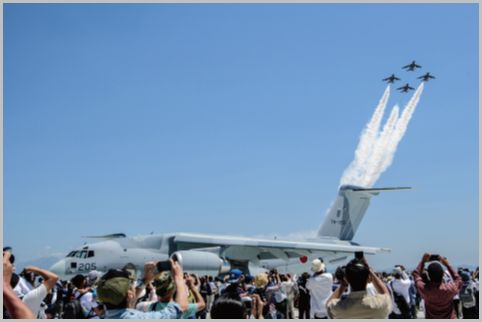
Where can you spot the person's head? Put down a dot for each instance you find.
(234, 275)
(210, 278)
(317, 266)
(78, 281)
(93, 277)
(115, 289)
(435, 272)
(261, 280)
(226, 307)
(165, 286)
(397, 272)
(465, 276)
(356, 274)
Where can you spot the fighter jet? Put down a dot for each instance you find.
(412, 66)
(213, 254)
(391, 79)
(426, 77)
(405, 88)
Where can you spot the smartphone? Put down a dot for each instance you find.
(164, 266)
(434, 257)
(358, 255)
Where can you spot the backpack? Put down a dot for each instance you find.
(401, 303)
(466, 295)
(73, 309)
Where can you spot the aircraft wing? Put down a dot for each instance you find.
(254, 248)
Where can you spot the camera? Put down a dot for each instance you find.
(434, 257)
(163, 266)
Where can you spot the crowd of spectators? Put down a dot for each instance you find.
(434, 289)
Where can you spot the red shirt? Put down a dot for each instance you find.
(438, 297)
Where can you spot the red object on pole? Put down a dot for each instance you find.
(303, 259)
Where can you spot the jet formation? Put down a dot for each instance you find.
(410, 67)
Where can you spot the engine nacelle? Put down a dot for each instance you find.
(203, 263)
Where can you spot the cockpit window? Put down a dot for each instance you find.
(81, 253)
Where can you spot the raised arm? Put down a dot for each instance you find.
(417, 274)
(457, 280)
(15, 307)
(181, 294)
(49, 278)
(197, 296)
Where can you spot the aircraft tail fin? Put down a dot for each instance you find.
(344, 216)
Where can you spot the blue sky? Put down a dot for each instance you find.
(234, 119)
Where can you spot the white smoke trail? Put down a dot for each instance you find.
(379, 150)
(400, 129)
(354, 172)
(375, 150)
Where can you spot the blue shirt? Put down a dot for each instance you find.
(190, 313)
(171, 311)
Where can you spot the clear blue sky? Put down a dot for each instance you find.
(234, 119)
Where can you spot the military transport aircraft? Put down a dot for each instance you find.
(426, 77)
(412, 66)
(213, 254)
(405, 88)
(391, 79)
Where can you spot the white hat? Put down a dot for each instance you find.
(94, 276)
(317, 266)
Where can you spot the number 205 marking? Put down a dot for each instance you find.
(87, 267)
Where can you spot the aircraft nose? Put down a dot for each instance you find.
(58, 268)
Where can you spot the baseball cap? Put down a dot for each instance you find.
(234, 275)
(113, 287)
(164, 283)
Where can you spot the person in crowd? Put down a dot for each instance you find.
(214, 291)
(303, 297)
(358, 304)
(165, 288)
(399, 288)
(437, 295)
(118, 294)
(14, 307)
(467, 297)
(84, 294)
(320, 287)
(230, 306)
(289, 289)
(34, 298)
(276, 298)
(204, 290)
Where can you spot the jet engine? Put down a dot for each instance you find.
(203, 263)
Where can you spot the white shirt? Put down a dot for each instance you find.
(320, 287)
(400, 286)
(34, 298)
(86, 300)
(288, 288)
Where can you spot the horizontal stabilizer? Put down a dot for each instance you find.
(381, 189)
(110, 236)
